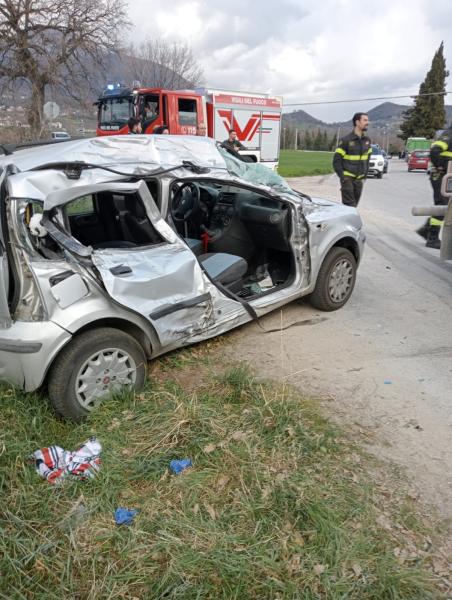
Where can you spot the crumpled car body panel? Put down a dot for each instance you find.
(159, 291)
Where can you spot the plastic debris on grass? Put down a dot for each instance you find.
(124, 516)
(56, 464)
(179, 465)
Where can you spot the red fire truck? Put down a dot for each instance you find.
(255, 117)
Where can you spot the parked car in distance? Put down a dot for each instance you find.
(376, 162)
(419, 159)
(60, 135)
(416, 143)
(118, 249)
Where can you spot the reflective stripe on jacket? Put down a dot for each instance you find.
(351, 157)
(441, 151)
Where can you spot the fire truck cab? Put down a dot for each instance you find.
(255, 117)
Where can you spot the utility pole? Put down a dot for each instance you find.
(296, 140)
(337, 136)
(284, 138)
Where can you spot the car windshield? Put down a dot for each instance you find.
(376, 150)
(254, 172)
(115, 111)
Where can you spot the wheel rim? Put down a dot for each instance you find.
(341, 280)
(101, 374)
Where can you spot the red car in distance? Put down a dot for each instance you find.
(419, 159)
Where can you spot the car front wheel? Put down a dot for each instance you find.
(335, 281)
(91, 367)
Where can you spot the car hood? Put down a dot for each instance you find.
(319, 209)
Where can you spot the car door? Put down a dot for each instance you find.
(5, 317)
(162, 281)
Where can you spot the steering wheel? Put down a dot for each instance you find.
(185, 201)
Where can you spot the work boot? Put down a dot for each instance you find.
(423, 231)
(433, 240)
(433, 244)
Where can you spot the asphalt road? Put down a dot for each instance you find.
(383, 363)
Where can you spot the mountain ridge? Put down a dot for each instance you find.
(385, 115)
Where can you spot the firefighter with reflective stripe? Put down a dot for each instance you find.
(440, 155)
(351, 160)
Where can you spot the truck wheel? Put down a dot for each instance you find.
(91, 367)
(335, 281)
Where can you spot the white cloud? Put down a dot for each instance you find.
(306, 50)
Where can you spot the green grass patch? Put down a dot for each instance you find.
(298, 163)
(279, 503)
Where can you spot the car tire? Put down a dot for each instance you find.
(93, 365)
(379, 175)
(329, 293)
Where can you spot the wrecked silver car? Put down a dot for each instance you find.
(115, 250)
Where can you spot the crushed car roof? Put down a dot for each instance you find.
(155, 150)
(42, 172)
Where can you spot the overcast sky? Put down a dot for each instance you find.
(307, 50)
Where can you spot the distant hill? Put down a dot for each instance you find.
(384, 127)
(387, 114)
(301, 117)
(386, 111)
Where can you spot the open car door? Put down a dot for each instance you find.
(5, 317)
(162, 280)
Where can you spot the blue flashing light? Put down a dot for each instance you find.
(115, 89)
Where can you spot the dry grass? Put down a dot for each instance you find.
(278, 504)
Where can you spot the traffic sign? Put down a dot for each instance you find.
(51, 110)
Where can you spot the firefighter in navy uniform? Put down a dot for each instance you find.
(351, 160)
(440, 155)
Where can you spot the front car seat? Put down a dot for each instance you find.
(227, 269)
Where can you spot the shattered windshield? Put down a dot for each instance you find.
(254, 172)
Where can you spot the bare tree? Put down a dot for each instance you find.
(56, 43)
(159, 63)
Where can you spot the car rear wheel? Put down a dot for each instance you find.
(335, 281)
(94, 365)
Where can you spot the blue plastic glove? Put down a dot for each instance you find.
(177, 466)
(124, 516)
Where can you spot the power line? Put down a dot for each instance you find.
(367, 99)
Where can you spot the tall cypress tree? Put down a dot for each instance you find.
(317, 144)
(428, 113)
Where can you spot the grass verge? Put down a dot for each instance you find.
(298, 163)
(279, 503)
